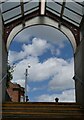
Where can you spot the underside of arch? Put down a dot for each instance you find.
(42, 21)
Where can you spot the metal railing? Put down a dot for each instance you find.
(77, 78)
(3, 78)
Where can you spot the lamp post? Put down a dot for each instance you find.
(26, 78)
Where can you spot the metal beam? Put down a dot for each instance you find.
(42, 11)
(82, 22)
(63, 6)
(12, 24)
(68, 19)
(79, 3)
(75, 30)
(70, 9)
(61, 14)
(14, 7)
(18, 15)
(9, 26)
(22, 12)
(11, 9)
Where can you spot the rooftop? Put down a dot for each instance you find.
(72, 11)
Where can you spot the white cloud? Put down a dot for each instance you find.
(49, 68)
(59, 70)
(37, 48)
(19, 70)
(65, 96)
(37, 72)
(42, 71)
(63, 77)
(14, 56)
(36, 89)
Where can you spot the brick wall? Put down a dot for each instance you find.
(15, 92)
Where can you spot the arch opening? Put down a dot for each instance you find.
(50, 55)
(42, 21)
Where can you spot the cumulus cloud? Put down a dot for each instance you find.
(19, 70)
(63, 77)
(14, 56)
(57, 71)
(42, 71)
(37, 48)
(36, 89)
(65, 96)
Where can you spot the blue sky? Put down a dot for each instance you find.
(50, 55)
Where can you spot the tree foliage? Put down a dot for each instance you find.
(10, 70)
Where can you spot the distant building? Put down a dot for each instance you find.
(15, 92)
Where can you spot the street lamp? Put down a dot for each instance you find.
(26, 78)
